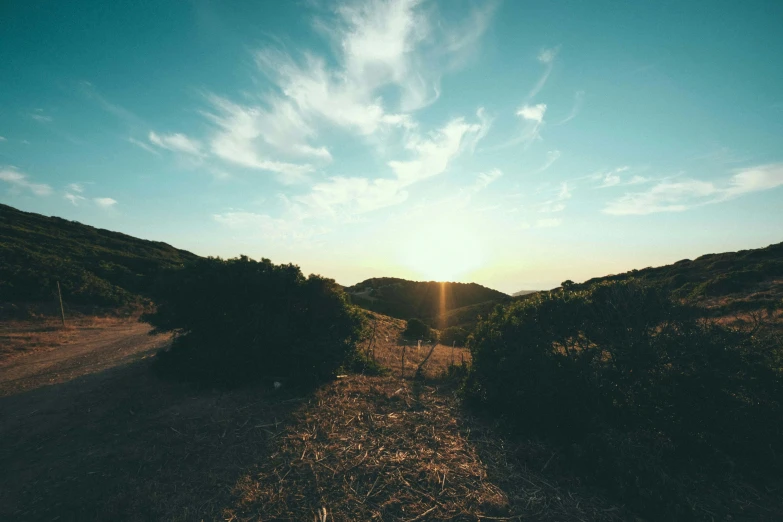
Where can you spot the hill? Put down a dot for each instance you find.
(431, 301)
(727, 282)
(523, 292)
(95, 267)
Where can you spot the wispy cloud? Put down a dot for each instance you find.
(678, 196)
(579, 98)
(143, 145)
(75, 199)
(2, 138)
(176, 142)
(557, 203)
(551, 157)
(345, 197)
(105, 202)
(20, 182)
(39, 116)
(546, 57)
(388, 60)
(118, 111)
(76, 187)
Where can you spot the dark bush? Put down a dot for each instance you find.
(636, 386)
(241, 321)
(418, 329)
(453, 335)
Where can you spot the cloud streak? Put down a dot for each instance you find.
(105, 203)
(679, 196)
(21, 182)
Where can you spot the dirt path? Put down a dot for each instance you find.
(95, 349)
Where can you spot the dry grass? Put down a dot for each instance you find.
(390, 344)
(375, 448)
(46, 334)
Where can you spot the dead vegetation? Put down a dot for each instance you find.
(378, 448)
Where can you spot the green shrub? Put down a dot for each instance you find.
(241, 321)
(637, 387)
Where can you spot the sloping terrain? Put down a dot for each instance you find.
(95, 267)
(729, 282)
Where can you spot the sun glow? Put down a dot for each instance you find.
(442, 251)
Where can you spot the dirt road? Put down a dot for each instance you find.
(96, 349)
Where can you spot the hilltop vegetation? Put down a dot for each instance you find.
(95, 267)
(439, 304)
(727, 282)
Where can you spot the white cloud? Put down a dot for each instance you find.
(20, 181)
(433, 153)
(388, 59)
(143, 145)
(344, 197)
(548, 55)
(105, 202)
(637, 180)
(2, 138)
(678, 196)
(248, 135)
(76, 187)
(73, 198)
(176, 142)
(533, 112)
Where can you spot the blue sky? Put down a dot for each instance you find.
(515, 144)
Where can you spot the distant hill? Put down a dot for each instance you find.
(434, 302)
(95, 267)
(524, 292)
(732, 281)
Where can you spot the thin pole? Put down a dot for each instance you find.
(402, 366)
(62, 310)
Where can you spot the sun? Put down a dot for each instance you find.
(441, 251)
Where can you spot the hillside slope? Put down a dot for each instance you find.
(732, 281)
(95, 267)
(429, 300)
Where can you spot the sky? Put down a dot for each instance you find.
(516, 144)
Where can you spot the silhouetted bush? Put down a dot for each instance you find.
(453, 335)
(635, 385)
(418, 329)
(242, 320)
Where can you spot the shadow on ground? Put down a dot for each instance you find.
(122, 444)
